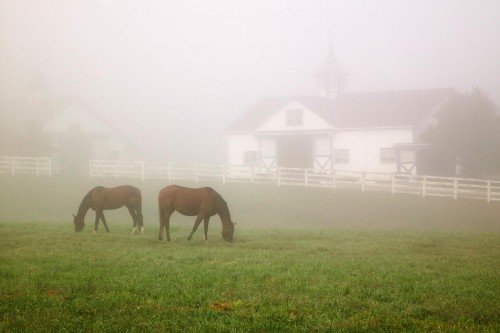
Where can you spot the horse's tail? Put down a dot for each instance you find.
(140, 219)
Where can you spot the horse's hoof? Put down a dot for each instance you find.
(95, 231)
(142, 230)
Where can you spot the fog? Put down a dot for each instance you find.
(173, 75)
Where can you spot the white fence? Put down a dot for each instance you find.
(40, 166)
(369, 181)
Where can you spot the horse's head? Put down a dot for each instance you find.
(78, 222)
(228, 231)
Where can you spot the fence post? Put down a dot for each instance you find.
(278, 176)
(116, 169)
(196, 172)
(363, 180)
(223, 174)
(142, 170)
(306, 178)
(50, 167)
(90, 168)
(334, 183)
(253, 173)
(393, 185)
(488, 191)
(455, 189)
(424, 186)
(37, 167)
(13, 166)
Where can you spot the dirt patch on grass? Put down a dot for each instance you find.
(220, 306)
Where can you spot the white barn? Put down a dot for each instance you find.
(370, 132)
(105, 141)
(62, 120)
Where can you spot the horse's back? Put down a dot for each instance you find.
(186, 200)
(116, 197)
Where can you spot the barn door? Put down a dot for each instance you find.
(322, 152)
(267, 152)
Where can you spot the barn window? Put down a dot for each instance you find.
(341, 156)
(407, 156)
(294, 118)
(387, 155)
(250, 157)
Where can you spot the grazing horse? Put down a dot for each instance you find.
(200, 202)
(102, 198)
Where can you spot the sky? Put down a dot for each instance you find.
(173, 75)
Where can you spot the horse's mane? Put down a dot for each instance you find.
(84, 205)
(223, 208)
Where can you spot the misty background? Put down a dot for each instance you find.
(173, 75)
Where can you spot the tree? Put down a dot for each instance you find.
(468, 130)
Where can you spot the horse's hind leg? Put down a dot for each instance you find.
(205, 227)
(140, 220)
(134, 218)
(97, 217)
(164, 223)
(167, 224)
(104, 221)
(196, 224)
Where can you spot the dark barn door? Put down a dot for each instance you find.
(295, 151)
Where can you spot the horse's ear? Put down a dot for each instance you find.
(74, 216)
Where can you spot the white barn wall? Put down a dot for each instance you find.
(386, 138)
(239, 143)
(352, 140)
(364, 147)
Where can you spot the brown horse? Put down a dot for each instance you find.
(200, 202)
(102, 198)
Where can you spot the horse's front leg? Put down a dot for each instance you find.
(196, 224)
(104, 221)
(205, 227)
(97, 217)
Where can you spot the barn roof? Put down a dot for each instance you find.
(353, 110)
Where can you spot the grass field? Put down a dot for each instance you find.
(302, 260)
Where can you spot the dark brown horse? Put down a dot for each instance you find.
(102, 198)
(200, 202)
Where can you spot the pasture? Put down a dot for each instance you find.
(302, 260)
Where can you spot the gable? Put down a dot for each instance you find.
(277, 121)
(262, 111)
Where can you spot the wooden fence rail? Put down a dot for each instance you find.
(365, 181)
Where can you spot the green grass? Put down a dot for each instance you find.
(302, 260)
